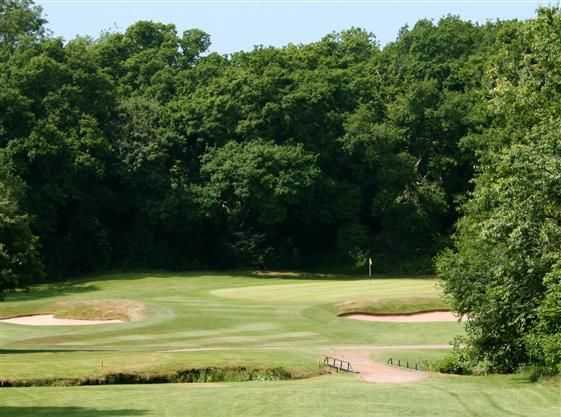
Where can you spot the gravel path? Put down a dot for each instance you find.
(378, 372)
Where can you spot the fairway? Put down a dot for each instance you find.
(188, 321)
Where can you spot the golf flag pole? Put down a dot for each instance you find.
(370, 267)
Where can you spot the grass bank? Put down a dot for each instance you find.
(197, 375)
(327, 396)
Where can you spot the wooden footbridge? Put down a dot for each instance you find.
(339, 365)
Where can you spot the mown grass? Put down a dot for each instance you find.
(280, 320)
(420, 359)
(410, 355)
(205, 320)
(328, 396)
(96, 364)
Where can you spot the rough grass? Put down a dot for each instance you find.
(125, 310)
(190, 375)
(405, 305)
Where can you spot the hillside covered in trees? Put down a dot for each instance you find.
(142, 150)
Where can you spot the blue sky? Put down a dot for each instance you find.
(240, 24)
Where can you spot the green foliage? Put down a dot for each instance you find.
(352, 241)
(544, 343)
(19, 19)
(257, 179)
(19, 257)
(503, 271)
(255, 187)
(140, 148)
(181, 376)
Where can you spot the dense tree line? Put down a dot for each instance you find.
(142, 149)
(504, 269)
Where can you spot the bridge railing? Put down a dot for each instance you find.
(338, 364)
(404, 364)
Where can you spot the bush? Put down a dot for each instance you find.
(460, 361)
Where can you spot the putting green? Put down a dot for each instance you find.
(334, 291)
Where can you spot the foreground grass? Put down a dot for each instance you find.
(329, 396)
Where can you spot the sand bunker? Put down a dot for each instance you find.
(377, 372)
(406, 318)
(50, 320)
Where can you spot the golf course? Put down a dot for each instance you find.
(256, 340)
(313, 208)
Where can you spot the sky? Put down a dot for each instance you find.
(241, 24)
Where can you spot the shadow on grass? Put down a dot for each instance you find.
(50, 290)
(318, 276)
(235, 273)
(526, 378)
(66, 412)
(82, 284)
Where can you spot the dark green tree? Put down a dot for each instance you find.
(503, 269)
(255, 188)
(19, 256)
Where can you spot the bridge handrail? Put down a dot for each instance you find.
(342, 365)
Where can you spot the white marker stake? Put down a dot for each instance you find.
(370, 267)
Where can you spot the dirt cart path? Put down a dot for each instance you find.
(377, 372)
